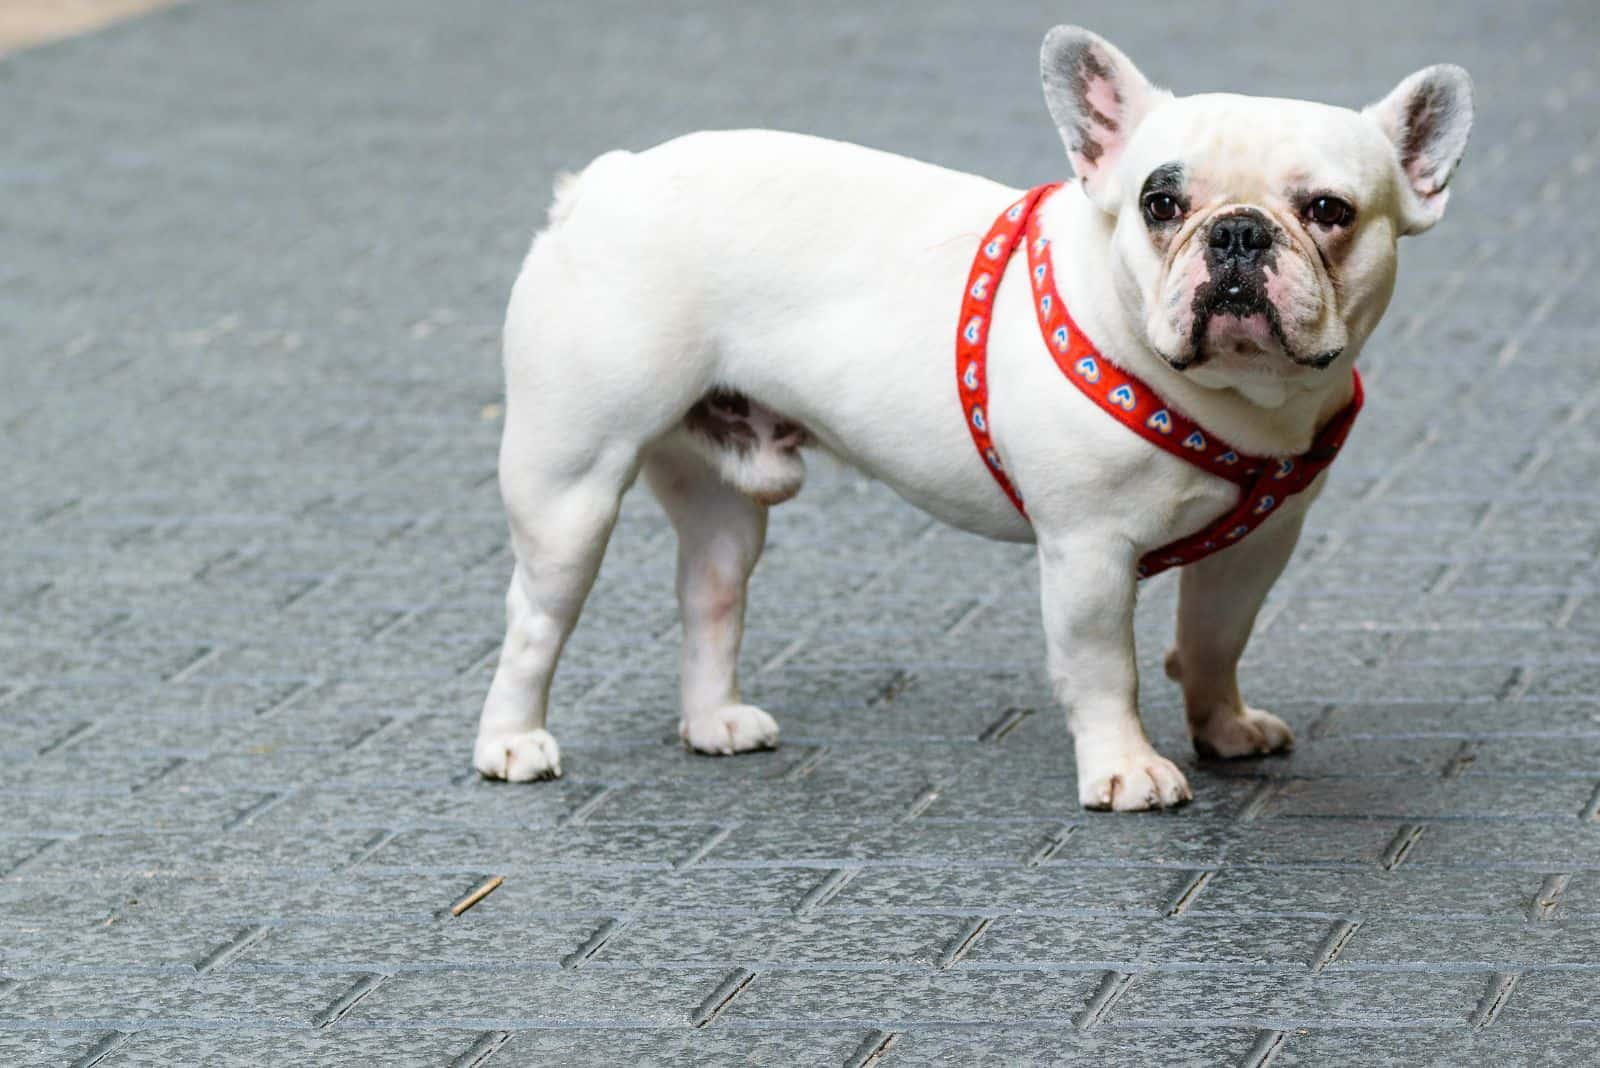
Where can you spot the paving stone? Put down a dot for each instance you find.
(758, 941)
(1288, 1001)
(1128, 945)
(1477, 796)
(1405, 891)
(924, 841)
(1581, 896)
(1159, 841)
(402, 945)
(1505, 946)
(174, 944)
(897, 1000)
(1010, 891)
(509, 1000)
(201, 853)
(1551, 999)
(1558, 846)
(407, 1049)
(48, 1049)
(710, 1048)
(1066, 1045)
(125, 1002)
(494, 850)
(1523, 1048)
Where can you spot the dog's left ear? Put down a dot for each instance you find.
(1096, 97)
(1428, 118)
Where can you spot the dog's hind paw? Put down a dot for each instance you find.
(521, 756)
(728, 730)
(1252, 733)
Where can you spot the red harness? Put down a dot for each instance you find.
(1264, 482)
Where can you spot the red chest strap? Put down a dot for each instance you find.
(1264, 482)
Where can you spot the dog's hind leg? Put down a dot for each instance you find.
(720, 535)
(561, 505)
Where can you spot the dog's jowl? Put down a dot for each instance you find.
(1150, 365)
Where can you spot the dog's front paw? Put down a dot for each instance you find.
(1130, 782)
(520, 756)
(729, 729)
(1250, 733)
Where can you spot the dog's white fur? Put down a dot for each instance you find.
(821, 281)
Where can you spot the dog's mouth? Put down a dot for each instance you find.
(1233, 317)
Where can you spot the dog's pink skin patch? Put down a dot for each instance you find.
(1102, 97)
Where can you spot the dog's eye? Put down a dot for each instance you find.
(1162, 207)
(1330, 212)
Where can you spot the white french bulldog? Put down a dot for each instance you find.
(704, 310)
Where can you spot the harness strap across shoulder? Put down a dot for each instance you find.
(1264, 482)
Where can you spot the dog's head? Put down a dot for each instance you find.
(1254, 238)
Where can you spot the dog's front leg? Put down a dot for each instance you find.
(1088, 591)
(1218, 598)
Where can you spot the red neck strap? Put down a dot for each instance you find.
(1264, 482)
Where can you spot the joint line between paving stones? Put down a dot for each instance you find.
(1111, 989)
(102, 1049)
(1404, 840)
(1494, 999)
(807, 764)
(1549, 896)
(824, 891)
(1334, 944)
(1052, 845)
(348, 1000)
(1263, 1050)
(1009, 720)
(207, 655)
(1591, 811)
(720, 998)
(590, 806)
(240, 942)
(371, 846)
(481, 1049)
(1460, 760)
(595, 942)
(963, 941)
(1190, 891)
(711, 841)
(922, 803)
(872, 1049)
(249, 813)
(1258, 800)
(72, 737)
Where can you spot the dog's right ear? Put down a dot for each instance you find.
(1096, 97)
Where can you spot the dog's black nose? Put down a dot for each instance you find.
(1241, 236)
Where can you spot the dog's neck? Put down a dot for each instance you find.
(1274, 425)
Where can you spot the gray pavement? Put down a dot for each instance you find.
(253, 267)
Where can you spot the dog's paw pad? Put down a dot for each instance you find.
(1133, 784)
(728, 730)
(1255, 733)
(522, 756)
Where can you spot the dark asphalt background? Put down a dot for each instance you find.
(253, 262)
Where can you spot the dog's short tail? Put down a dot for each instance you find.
(569, 187)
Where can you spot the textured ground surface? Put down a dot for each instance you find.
(251, 566)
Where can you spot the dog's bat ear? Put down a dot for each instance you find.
(1427, 118)
(1096, 97)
